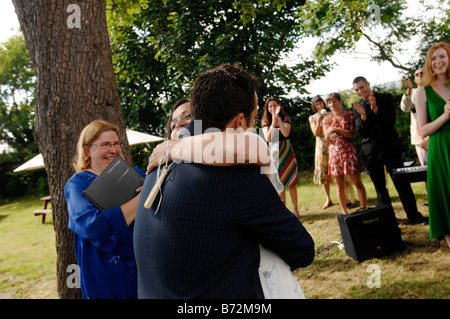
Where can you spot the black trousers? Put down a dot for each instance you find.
(375, 168)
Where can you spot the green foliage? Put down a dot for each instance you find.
(17, 104)
(339, 25)
(22, 183)
(139, 82)
(140, 154)
(16, 72)
(168, 44)
(432, 31)
(17, 85)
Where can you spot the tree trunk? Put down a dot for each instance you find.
(69, 47)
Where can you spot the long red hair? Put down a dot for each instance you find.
(429, 77)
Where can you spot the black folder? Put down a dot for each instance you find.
(115, 186)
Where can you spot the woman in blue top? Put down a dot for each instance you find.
(103, 239)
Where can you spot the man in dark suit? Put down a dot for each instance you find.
(202, 242)
(381, 145)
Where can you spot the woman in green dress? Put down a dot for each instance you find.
(433, 114)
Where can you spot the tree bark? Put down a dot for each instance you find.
(69, 46)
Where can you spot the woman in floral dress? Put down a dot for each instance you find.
(321, 176)
(343, 159)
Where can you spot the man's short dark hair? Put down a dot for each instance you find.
(221, 93)
(359, 79)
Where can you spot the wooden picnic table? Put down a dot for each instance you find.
(45, 211)
(46, 199)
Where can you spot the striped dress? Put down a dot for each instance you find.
(284, 158)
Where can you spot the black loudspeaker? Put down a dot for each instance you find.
(370, 233)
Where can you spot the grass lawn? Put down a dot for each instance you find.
(421, 271)
(28, 253)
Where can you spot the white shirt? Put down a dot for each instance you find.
(407, 102)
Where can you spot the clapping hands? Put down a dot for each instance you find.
(408, 84)
(373, 106)
(276, 117)
(360, 110)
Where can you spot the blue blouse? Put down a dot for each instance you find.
(103, 243)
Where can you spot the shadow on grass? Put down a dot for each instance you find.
(316, 216)
(338, 260)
